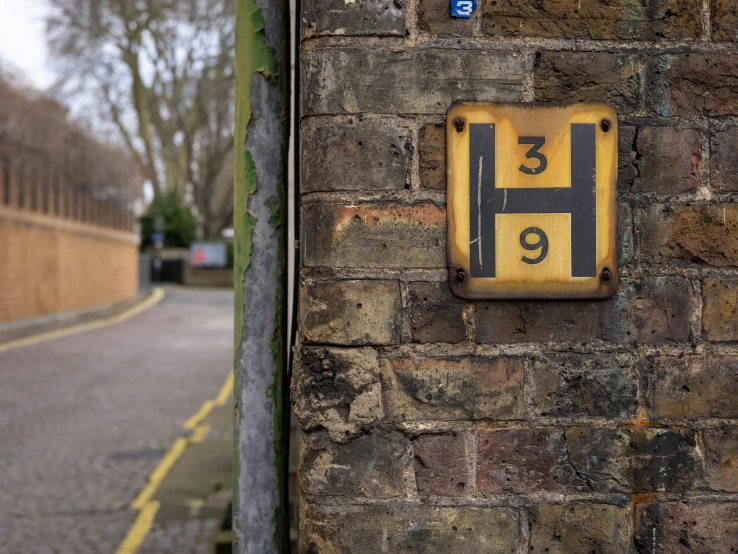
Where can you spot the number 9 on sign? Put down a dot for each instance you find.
(541, 243)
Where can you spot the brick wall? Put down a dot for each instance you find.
(434, 424)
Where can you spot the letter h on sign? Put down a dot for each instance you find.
(486, 200)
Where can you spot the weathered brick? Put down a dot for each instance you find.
(337, 390)
(436, 315)
(364, 156)
(581, 528)
(583, 459)
(455, 388)
(724, 17)
(634, 460)
(365, 17)
(427, 81)
(625, 234)
(432, 154)
(503, 322)
(698, 528)
(434, 16)
(385, 235)
(702, 84)
(408, 528)
(350, 312)
(650, 311)
(694, 387)
(568, 385)
(719, 304)
(370, 465)
(724, 161)
(440, 464)
(591, 19)
(721, 458)
(700, 233)
(589, 77)
(660, 310)
(525, 461)
(627, 171)
(668, 160)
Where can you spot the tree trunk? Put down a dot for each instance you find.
(260, 221)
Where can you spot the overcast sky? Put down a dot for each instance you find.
(22, 41)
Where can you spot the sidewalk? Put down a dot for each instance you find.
(195, 495)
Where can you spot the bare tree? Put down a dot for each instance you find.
(38, 139)
(162, 72)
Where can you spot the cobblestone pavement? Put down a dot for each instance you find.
(85, 418)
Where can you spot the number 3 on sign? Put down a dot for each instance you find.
(463, 8)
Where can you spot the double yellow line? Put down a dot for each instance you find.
(148, 508)
(156, 296)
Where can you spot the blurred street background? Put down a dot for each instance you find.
(86, 418)
(116, 276)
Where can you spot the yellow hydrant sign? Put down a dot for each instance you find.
(532, 208)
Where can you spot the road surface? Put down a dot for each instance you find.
(84, 420)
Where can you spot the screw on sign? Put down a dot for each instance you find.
(463, 8)
(532, 201)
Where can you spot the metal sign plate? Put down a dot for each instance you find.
(532, 200)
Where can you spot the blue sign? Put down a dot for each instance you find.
(463, 8)
(157, 237)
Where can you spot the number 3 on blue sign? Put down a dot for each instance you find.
(463, 8)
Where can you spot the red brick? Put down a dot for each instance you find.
(696, 528)
(440, 464)
(580, 459)
(525, 461)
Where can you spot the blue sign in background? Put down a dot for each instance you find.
(463, 8)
